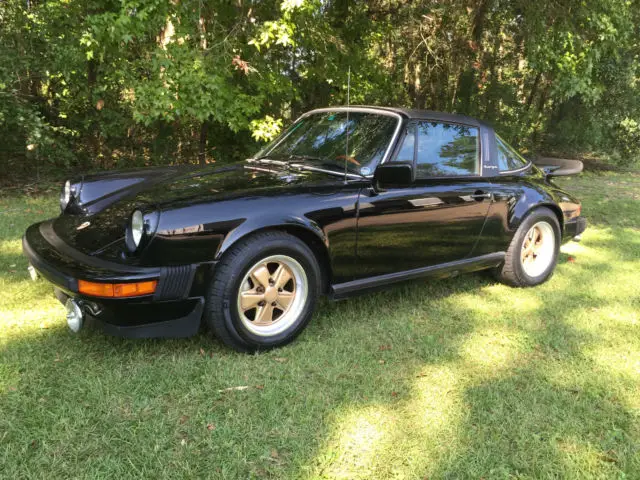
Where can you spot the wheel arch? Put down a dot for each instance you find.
(314, 238)
(520, 214)
(556, 209)
(511, 271)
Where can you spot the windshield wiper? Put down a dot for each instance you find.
(319, 163)
(272, 159)
(308, 157)
(325, 163)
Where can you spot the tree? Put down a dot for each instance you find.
(102, 84)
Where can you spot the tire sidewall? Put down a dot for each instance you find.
(542, 215)
(296, 250)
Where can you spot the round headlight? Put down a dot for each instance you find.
(137, 227)
(65, 196)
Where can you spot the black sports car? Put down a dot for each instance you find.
(345, 200)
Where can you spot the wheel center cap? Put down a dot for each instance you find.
(270, 294)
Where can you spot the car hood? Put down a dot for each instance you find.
(106, 218)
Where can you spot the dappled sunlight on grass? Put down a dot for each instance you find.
(590, 248)
(419, 432)
(39, 316)
(361, 437)
(28, 306)
(409, 437)
(579, 456)
(491, 351)
(436, 398)
(621, 314)
(622, 361)
(500, 301)
(11, 247)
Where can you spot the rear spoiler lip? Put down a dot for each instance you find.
(558, 167)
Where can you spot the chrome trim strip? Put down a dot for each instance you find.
(509, 147)
(426, 202)
(521, 169)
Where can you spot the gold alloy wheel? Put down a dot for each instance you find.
(538, 249)
(272, 295)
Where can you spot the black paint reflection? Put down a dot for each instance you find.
(430, 223)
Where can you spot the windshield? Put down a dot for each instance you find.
(320, 140)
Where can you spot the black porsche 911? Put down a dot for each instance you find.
(346, 200)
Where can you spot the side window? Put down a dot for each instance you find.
(446, 149)
(508, 158)
(408, 145)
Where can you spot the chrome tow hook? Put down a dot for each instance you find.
(75, 316)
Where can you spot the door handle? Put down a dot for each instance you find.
(479, 195)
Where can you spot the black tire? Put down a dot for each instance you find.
(222, 314)
(512, 271)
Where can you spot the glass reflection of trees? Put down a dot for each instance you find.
(508, 158)
(321, 139)
(446, 149)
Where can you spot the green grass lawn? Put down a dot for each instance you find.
(461, 378)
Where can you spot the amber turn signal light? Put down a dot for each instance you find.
(117, 290)
(570, 210)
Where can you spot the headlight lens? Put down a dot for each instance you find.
(137, 227)
(65, 196)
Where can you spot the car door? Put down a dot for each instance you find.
(439, 217)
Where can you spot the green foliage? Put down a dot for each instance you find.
(100, 84)
(266, 129)
(627, 136)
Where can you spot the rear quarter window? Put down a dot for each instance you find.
(508, 158)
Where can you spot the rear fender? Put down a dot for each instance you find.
(523, 208)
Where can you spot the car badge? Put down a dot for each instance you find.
(84, 225)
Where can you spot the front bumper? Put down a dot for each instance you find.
(174, 310)
(574, 227)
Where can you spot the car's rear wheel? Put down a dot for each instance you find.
(263, 292)
(533, 253)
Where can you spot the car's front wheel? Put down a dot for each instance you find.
(263, 292)
(533, 253)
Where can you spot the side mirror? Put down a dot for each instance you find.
(396, 174)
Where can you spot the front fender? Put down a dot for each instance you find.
(203, 232)
(267, 222)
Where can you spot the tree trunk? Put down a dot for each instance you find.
(202, 145)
